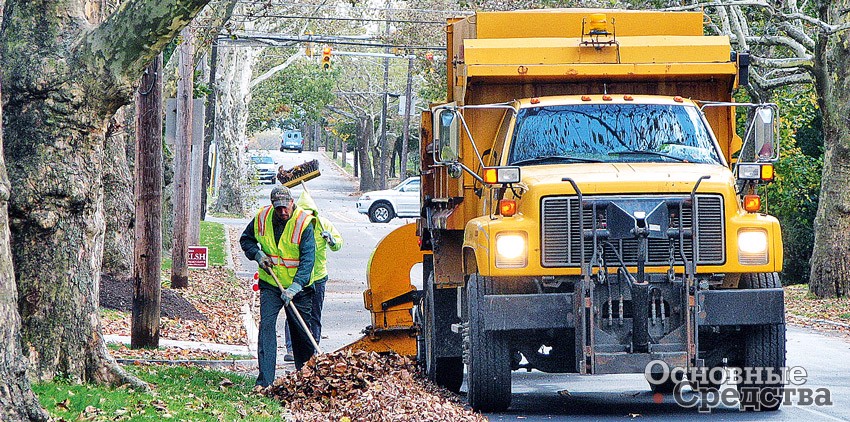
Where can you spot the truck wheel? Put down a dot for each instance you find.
(446, 372)
(763, 346)
(488, 359)
(381, 212)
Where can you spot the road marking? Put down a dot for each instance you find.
(817, 412)
(343, 217)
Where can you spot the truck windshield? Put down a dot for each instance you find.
(612, 133)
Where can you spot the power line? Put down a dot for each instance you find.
(340, 19)
(285, 41)
(334, 6)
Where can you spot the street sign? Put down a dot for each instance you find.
(198, 257)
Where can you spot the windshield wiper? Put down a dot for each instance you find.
(647, 152)
(542, 158)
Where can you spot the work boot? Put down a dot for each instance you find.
(288, 357)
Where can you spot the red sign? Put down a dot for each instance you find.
(198, 257)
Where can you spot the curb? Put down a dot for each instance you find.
(342, 169)
(205, 363)
(235, 349)
(831, 323)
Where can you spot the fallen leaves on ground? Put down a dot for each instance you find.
(169, 353)
(804, 309)
(217, 294)
(365, 386)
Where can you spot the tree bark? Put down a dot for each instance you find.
(233, 83)
(409, 106)
(118, 200)
(65, 79)
(144, 326)
(182, 163)
(17, 401)
(830, 273)
(364, 138)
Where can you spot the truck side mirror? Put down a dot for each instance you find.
(446, 134)
(763, 136)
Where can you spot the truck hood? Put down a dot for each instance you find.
(626, 178)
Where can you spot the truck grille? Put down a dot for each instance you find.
(562, 242)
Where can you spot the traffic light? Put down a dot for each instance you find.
(326, 58)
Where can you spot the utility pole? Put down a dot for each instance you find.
(382, 178)
(182, 157)
(144, 324)
(408, 106)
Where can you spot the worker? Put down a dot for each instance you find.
(326, 236)
(281, 240)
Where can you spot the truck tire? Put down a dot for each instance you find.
(488, 355)
(763, 346)
(446, 372)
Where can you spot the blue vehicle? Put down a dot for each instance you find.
(292, 140)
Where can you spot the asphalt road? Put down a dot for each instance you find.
(538, 396)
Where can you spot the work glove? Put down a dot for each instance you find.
(290, 293)
(264, 261)
(328, 238)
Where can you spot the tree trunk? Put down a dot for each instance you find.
(233, 83)
(830, 274)
(364, 137)
(65, 79)
(17, 401)
(144, 327)
(409, 106)
(118, 200)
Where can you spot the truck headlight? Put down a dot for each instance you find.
(752, 247)
(511, 250)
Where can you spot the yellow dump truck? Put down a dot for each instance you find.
(588, 206)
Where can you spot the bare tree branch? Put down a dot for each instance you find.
(799, 78)
(785, 63)
(773, 40)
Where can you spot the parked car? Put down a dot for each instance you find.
(264, 168)
(291, 140)
(382, 205)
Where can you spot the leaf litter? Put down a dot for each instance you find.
(365, 386)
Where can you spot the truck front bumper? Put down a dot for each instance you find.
(555, 310)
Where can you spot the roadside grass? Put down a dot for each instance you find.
(212, 236)
(799, 302)
(178, 393)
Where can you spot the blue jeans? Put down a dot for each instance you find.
(270, 306)
(315, 319)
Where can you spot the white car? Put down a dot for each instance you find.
(264, 167)
(383, 205)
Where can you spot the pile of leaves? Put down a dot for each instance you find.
(365, 386)
(216, 293)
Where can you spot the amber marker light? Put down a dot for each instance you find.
(507, 207)
(491, 175)
(607, 98)
(767, 172)
(678, 99)
(752, 203)
(535, 100)
(585, 97)
(628, 97)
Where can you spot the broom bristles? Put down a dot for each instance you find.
(300, 173)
